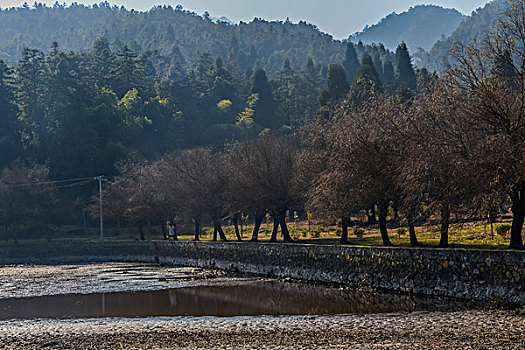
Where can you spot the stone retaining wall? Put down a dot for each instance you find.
(457, 273)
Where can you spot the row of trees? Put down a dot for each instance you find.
(453, 145)
(253, 176)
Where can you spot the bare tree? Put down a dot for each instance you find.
(137, 194)
(195, 180)
(436, 171)
(354, 163)
(490, 78)
(26, 195)
(262, 174)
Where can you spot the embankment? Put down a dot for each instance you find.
(457, 273)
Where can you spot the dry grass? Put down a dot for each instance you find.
(468, 235)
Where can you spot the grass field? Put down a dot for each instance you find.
(468, 235)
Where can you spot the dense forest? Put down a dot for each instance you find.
(167, 30)
(419, 27)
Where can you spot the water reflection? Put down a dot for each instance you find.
(251, 299)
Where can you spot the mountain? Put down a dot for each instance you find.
(256, 44)
(472, 27)
(420, 26)
(223, 19)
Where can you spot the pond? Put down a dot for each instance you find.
(132, 291)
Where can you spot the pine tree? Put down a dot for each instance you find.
(367, 83)
(350, 63)
(126, 74)
(367, 71)
(404, 69)
(378, 64)
(336, 85)
(388, 76)
(10, 146)
(266, 106)
(101, 61)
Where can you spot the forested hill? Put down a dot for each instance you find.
(259, 43)
(420, 26)
(473, 27)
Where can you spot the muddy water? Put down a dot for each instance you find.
(133, 290)
(246, 299)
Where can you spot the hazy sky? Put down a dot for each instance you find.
(337, 17)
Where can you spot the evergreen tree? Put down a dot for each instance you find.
(10, 146)
(223, 84)
(350, 63)
(126, 73)
(266, 106)
(378, 64)
(31, 76)
(388, 76)
(367, 71)
(336, 85)
(360, 48)
(404, 69)
(101, 61)
(367, 83)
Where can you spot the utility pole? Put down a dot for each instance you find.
(100, 179)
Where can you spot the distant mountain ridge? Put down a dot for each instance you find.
(260, 43)
(472, 27)
(420, 26)
(222, 19)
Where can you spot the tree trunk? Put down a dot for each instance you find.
(344, 227)
(383, 213)
(284, 228)
(518, 217)
(141, 232)
(197, 231)
(372, 216)
(163, 228)
(256, 227)
(413, 237)
(275, 229)
(445, 223)
(412, 229)
(235, 220)
(218, 229)
(215, 232)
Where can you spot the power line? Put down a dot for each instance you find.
(83, 179)
(76, 184)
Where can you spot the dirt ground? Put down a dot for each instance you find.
(458, 330)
